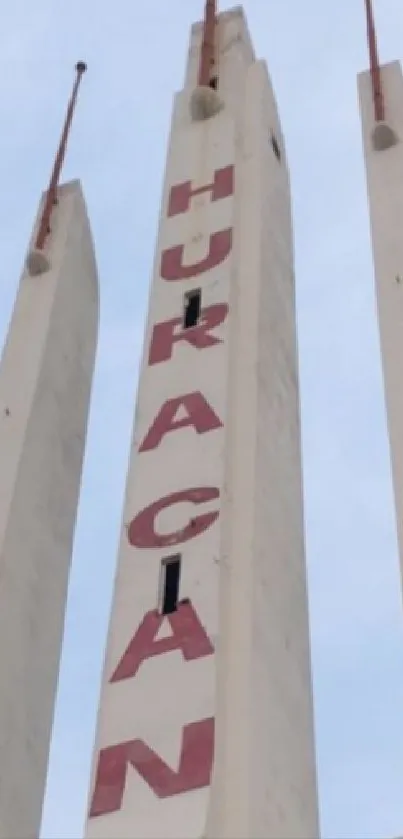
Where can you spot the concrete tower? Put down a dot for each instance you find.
(45, 383)
(381, 103)
(205, 725)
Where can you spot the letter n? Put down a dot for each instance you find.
(194, 771)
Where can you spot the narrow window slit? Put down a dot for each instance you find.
(169, 584)
(192, 308)
(276, 147)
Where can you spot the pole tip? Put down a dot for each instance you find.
(81, 67)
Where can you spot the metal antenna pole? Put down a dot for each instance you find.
(51, 197)
(377, 91)
(207, 55)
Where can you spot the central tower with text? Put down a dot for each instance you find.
(205, 726)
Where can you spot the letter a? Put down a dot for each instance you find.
(188, 635)
(198, 413)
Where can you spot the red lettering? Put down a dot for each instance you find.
(188, 635)
(172, 267)
(181, 194)
(194, 772)
(141, 530)
(198, 413)
(169, 332)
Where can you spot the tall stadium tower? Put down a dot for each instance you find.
(205, 726)
(45, 384)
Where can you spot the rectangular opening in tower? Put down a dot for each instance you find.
(169, 585)
(275, 147)
(192, 308)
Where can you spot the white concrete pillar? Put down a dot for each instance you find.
(384, 169)
(215, 482)
(45, 383)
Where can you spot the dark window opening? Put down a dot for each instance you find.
(213, 83)
(170, 575)
(276, 147)
(192, 308)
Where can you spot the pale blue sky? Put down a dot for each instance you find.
(136, 61)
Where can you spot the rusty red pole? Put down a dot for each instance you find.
(207, 55)
(51, 196)
(377, 92)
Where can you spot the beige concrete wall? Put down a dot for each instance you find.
(385, 191)
(45, 383)
(246, 574)
(264, 775)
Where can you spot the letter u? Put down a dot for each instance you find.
(172, 267)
